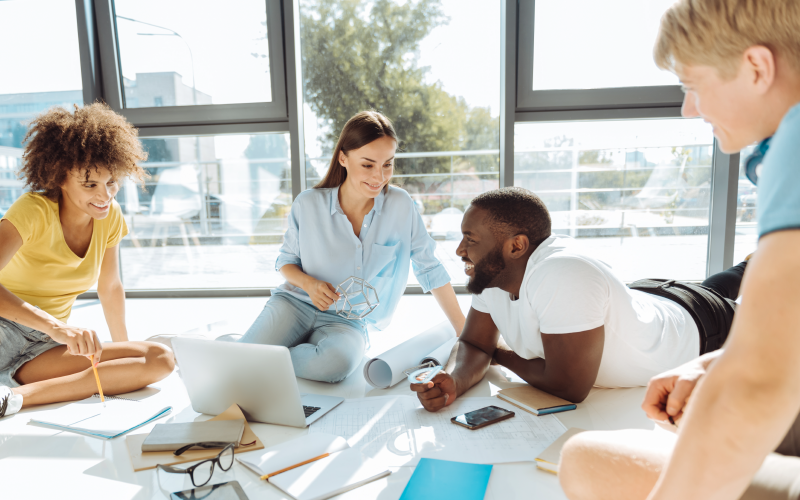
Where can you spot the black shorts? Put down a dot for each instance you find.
(712, 312)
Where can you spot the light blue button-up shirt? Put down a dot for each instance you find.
(320, 240)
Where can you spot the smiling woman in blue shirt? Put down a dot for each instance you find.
(353, 223)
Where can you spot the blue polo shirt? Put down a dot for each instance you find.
(779, 182)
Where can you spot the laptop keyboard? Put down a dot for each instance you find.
(310, 410)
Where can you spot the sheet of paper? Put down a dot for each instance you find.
(90, 416)
(397, 431)
(386, 369)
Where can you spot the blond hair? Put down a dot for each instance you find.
(717, 32)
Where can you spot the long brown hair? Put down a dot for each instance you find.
(360, 130)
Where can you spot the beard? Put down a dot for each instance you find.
(486, 271)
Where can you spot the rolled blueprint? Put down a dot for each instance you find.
(434, 344)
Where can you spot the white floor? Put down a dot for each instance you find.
(36, 462)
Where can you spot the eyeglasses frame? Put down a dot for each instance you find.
(214, 461)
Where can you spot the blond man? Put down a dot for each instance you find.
(738, 435)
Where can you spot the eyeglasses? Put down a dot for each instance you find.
(200, 473)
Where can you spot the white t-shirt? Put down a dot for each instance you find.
(564, 292)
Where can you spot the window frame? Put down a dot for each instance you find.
(572, 99)
(622, 103)
(206, 114)
(100, 66)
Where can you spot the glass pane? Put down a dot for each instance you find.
(635, 194)
(587, 44)
(213, 223)
(188, 52)
(406, 60)
(747, 204)
(37, 75)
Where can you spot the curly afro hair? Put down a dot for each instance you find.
(515, 210)
(90, 138)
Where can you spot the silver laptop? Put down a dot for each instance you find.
(259, 378)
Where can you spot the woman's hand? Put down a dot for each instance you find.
(79, 341)
(322, 293)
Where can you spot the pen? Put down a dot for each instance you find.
(97, 378)
(267, 476)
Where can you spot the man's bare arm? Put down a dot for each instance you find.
(469, 360)
(743, 406)
(570, 367)
(472, 354)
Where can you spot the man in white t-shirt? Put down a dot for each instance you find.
(567, 322)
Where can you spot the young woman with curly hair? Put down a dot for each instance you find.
(56, 241)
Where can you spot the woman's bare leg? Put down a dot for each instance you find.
(618, 465)
(56, 375)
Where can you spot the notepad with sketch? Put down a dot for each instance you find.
(341, 471)
(91, 418)
(289, 453)
(330, 466)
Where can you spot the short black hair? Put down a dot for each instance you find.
(515, 210)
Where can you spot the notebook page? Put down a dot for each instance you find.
(90, 416)
(292, 452)
(340, 472)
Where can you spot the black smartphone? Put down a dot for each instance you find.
(483, 417)
(231, 490)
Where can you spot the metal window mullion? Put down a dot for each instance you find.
(508, 89)
(109, 61)
(722, 213)
(294, 93)
(598, 114)
(91, 77)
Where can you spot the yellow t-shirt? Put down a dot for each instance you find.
(45, 272)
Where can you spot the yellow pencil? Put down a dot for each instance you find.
(97, 377)
(267, 476)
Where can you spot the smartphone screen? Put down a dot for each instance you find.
(483, 417)
(225, 491)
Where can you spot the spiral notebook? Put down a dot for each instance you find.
(91, 418)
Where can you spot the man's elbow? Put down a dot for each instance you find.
(574, 392)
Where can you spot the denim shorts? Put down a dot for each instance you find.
(18, 345)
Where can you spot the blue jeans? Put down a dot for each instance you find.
(323, 346)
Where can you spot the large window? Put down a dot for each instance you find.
(633, 193)
(37, 74)
(240, 105)
(211, 215)
(409, 61)
(191, 52)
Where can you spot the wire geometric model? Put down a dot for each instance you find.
(358, 299)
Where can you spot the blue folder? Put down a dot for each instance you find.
(446, 480)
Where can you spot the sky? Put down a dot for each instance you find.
(610, 44)
(40, 46)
